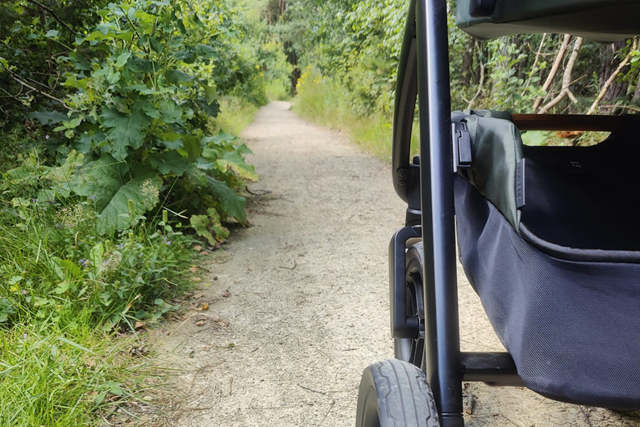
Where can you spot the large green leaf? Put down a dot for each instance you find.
(230, 202)
(99, 180)
(170, 111)
(205, 51)
(178, 77)
(48, 117)
(191, 147)
(235, 161)
(124, 130)
(142, 191)
(169, 161)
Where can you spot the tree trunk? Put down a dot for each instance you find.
(609, 63)
(467, 63)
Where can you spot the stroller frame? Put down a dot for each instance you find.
(428, 190)
(427, 187)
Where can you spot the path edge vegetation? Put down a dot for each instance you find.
(119, 156)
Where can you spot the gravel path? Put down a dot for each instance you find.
(298, 303)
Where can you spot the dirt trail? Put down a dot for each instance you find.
(308, 309)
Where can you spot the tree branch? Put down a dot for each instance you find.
(535, 62)
(554, 70)
(15, 77)
(566, 79)
(53, 14)
(612, 77)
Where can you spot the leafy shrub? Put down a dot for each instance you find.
(146, 83)
(52, 254)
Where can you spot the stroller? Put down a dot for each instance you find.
(549, 237)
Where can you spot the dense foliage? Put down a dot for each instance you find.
(139, 87)
(358, 43)
(113, 152)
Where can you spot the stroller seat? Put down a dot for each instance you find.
(549, 237)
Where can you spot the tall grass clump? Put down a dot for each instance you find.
(325, 101)
(66, 289)
(235, 115)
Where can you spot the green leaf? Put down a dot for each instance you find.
(52, 34)
(138, 65)
(124, 130)
(155, 45)
(191, 147)
(48, 117)
(72, 81)
(200, 223)
(181, 26)
(204, 224)
(231, 203)
(169, 161)
(7, 309)
(210, 93)
(178, 77)
(186, 56)
(235, 161)
(142, 191)
(122, 59)
(62, 288)
(204, 51)
(150, 110)
(170, 111)
(96, 254)
(99, 181)
(211, 108)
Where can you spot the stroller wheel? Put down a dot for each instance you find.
(412, 349)
(395, 394)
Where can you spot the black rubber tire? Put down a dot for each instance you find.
(409, 349)
(394, 393)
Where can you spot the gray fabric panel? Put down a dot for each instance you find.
(497, 149)
(598, 20)
(571, 327)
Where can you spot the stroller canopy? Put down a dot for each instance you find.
(598, 20)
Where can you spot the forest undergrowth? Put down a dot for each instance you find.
(119, 157)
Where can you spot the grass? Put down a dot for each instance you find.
(235, 115)
(70, 377)
(69, 300)
(278, 90)
(325, 102)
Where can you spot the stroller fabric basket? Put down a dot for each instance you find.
(598, 20)
(549, 237)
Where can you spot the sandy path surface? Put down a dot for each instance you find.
(305, 294)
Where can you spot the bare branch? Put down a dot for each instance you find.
(53, 14)
(16, 78)
(554, 70)
(566, 79)
(612, 77)
(535, 62)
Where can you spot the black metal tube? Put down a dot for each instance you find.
(495, 369)
(401, 326)
(444, 369)
(405, 102)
